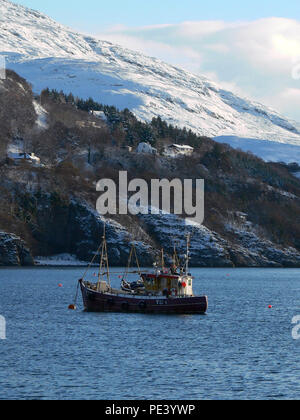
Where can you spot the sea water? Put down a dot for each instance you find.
(241, 349)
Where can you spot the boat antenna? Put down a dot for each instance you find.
(188, 242)
(162, 259)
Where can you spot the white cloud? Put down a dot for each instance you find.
(254, 58)
(289, 100)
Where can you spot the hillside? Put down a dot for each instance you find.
(251, 211)
(49, 54)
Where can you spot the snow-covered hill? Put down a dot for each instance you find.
(51, 55)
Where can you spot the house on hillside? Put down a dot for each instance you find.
(175, 150)
(99, 114)
(20, 157)
(87, 124)
(146, 148)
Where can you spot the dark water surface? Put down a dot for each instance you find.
(239, 350)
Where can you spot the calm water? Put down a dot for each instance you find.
(239, 350)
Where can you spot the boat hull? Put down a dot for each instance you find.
(105, 302)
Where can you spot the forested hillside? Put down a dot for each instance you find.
(252, 207)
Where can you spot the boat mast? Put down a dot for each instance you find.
(188, 239)
(137, 261)
(103, 259)
(175, 257)
(132, 252)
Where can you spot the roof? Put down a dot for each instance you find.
(182, 146)
(99, 114)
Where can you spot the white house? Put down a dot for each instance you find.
(146, 148)
(99, 114)
(87, 124)
(25, 157)
(175, 150)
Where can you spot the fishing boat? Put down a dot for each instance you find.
(162, 291)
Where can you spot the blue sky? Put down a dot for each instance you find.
(251, 48)
(94, 14)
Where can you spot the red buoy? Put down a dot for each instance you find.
(60, 285)
(270, 307)
(72, 307)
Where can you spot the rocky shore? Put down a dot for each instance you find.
(13, 251)
(74, 228)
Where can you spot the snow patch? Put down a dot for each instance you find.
(64, 260)
(42, 116)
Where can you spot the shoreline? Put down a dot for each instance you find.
(70, 266)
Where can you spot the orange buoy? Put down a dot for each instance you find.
(72, 307)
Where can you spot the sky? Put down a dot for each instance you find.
(250, 47)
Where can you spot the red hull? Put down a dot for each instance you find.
(104, 302)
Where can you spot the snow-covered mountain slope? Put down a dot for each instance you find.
(51, 55)
(269, 151)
